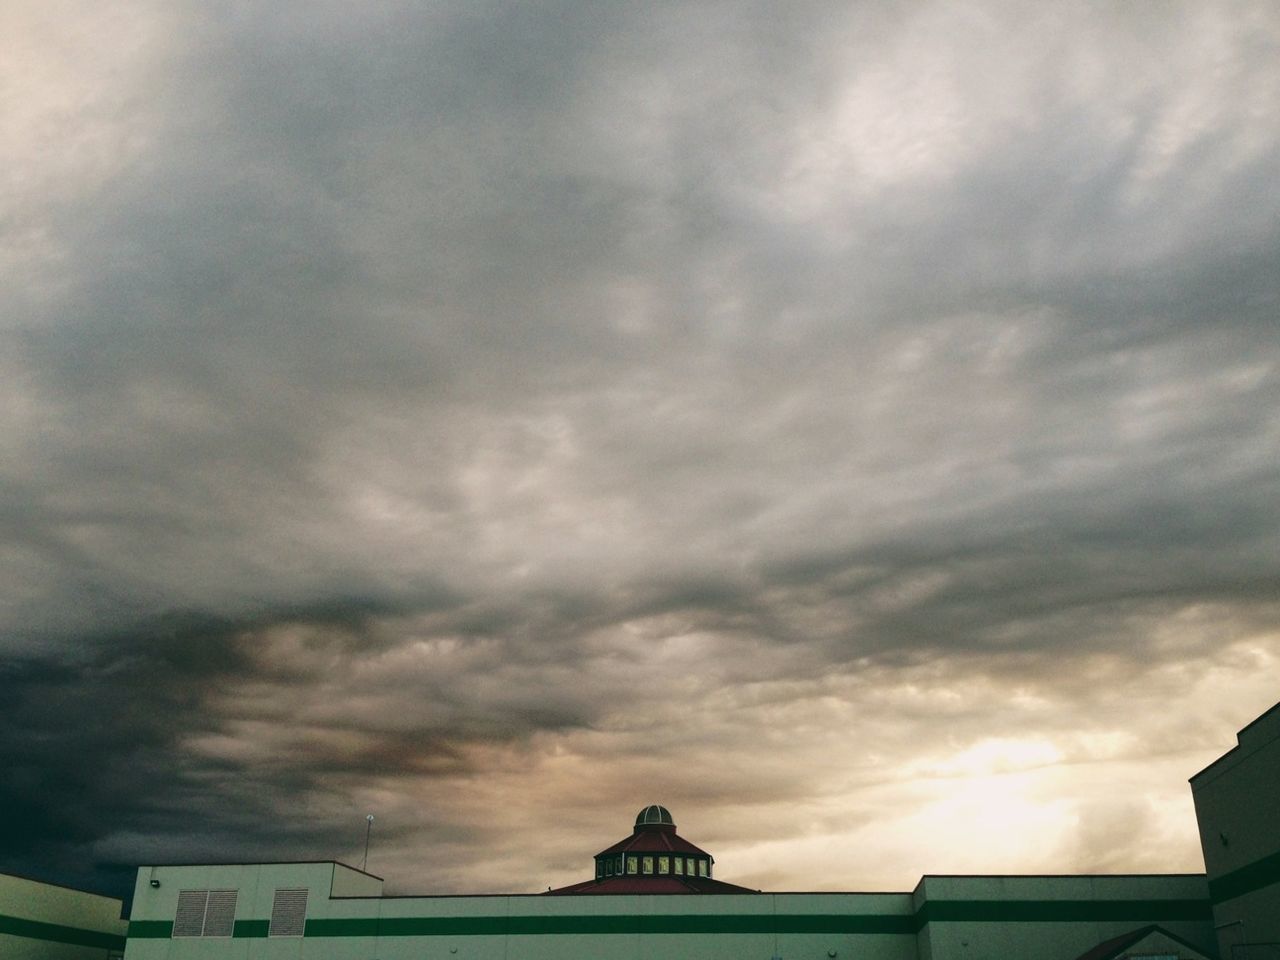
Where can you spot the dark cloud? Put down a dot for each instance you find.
(821, 420)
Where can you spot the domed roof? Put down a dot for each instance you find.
(654, 813)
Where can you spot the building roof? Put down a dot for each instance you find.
(653, 841)
(1118, 947)
(617, 870)
(644, 884)
(654, 832)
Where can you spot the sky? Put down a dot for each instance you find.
(855, 426)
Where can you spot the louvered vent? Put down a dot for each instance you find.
(205, 913)
(288, 912)
(189, 920)
(220, 915)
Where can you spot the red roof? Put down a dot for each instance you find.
(654, 833)
(651, 840)
(643, 884)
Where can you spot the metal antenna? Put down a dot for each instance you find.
(368, 828)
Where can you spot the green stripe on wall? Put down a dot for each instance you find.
(163, 929)
(255, 929)
(596, 924)
(1006, 911)
(150, 929)
(1251, 877)
(1033, 911)
(57, 933)
(980, 911)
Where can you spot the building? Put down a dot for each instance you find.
(1236, 800)
(654, 859)
(653, 895)
(44, 921)
(328, 910)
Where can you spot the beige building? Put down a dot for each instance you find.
(43, 921)
(1237, 801)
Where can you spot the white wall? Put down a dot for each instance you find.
(36, 920)
(869, 926)
(1055, 918)
(417, 928)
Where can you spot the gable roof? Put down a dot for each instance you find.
(1118, 946)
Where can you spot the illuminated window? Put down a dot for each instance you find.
(648, 864)
(633, 864)
(664, 864)
(678, 864)
(702, 868)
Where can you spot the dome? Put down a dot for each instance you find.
(654, 813)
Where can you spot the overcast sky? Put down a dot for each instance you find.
(853, 425)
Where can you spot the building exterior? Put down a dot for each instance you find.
(331, 911)
(327, 910)
(653, 895)
(44, 921)
(1068, 917)
(1237, 800)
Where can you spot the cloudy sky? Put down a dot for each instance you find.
(853, 425)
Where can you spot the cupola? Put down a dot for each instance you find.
(654, 859)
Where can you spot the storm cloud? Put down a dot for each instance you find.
(855, 426)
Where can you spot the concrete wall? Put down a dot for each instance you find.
(1236, 807)
(1054, 918)
(41, 921)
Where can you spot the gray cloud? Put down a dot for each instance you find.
(462, 412)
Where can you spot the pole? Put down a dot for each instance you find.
(368, 828)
